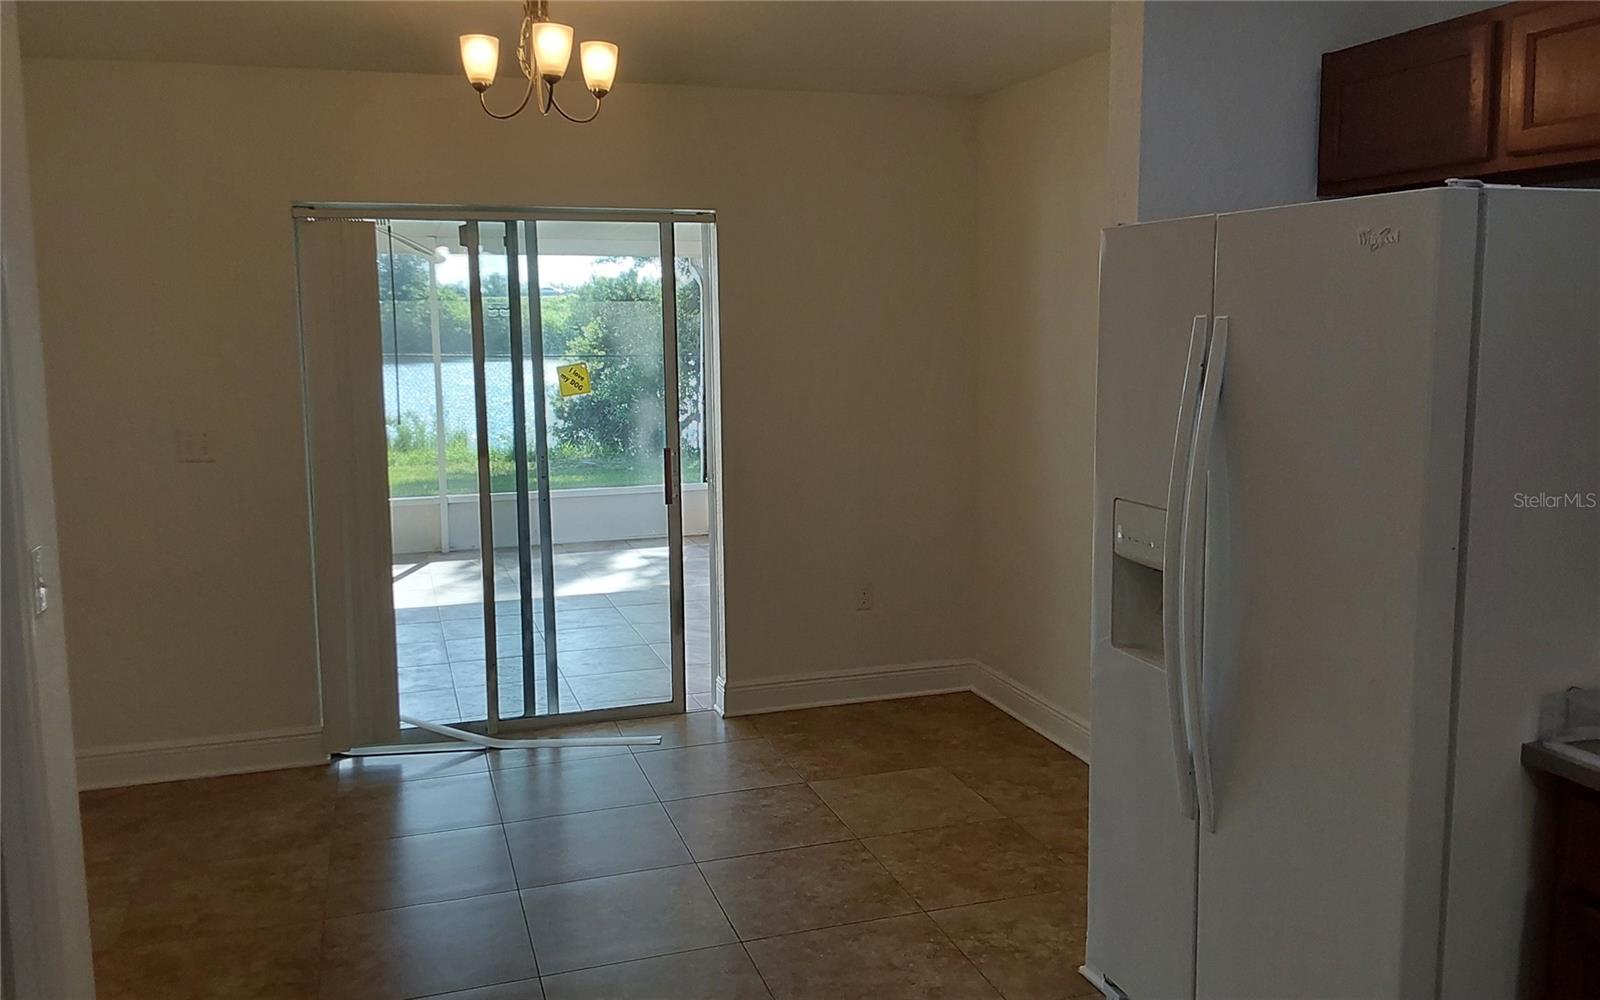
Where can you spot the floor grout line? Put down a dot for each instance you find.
(715, 898)
(630, 961)
(962, 952)
(833, 927)
(327, 888)
(516, 886)
(757, 966)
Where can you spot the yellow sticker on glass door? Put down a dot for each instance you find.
(574, 379)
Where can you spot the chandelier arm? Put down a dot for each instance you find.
(525, 56)
(483, 100)
(551, 102)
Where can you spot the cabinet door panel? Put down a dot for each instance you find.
(1411, 102)
(1553, 78)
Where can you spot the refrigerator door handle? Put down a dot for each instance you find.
(1172, 575)
(1190, 569)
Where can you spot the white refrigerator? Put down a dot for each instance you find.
(1346, 539)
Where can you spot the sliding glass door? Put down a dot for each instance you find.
(608, 347)
(536, 431)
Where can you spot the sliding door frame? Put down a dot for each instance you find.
(711, 454)
(366, 211)
(672, 472)
(471, 238)
(527, 220)
(541, 431)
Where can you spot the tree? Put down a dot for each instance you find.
(403, 303)
(691, 356)
(494, 285)
(614, 324)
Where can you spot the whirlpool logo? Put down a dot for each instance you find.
(1376, 239)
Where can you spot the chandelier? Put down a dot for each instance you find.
(543, 49)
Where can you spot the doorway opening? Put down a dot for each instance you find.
(547, 387)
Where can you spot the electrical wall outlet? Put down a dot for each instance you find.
(195, 447)
(864, 598)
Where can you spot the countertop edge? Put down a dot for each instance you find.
(1538, 756)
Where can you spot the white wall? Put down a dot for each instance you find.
(1125, 78)
(1041, 199)
(1230, 95)
(167, 281)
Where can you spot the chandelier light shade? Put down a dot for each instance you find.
(480, 57)
(599, 66)
(552, 49)
(544, 48)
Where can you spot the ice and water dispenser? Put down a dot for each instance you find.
(1137, 559)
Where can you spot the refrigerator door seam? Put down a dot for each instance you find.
(1463, 532)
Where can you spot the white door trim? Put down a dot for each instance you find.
(43, 901)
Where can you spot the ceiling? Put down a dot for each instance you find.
(949, 47)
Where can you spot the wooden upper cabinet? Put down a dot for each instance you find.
(1511, 93)
(1412, 102)
(1552, 79)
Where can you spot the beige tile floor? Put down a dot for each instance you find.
(613, 636)
(929, 847)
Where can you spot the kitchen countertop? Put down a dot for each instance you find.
(1577, 763)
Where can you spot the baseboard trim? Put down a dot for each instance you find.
(268, 750)
(1066, 729)
(175, 760)
(845, 687)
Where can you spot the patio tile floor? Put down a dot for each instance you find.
(611, 626)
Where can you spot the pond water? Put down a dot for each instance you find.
(408, 388)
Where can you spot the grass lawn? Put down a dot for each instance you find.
(414, 472)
